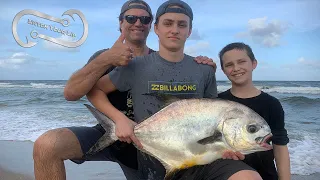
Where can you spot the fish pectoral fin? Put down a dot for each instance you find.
(216, 137)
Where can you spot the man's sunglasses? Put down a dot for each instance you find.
(133, 19)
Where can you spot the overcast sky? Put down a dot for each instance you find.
(284, 35)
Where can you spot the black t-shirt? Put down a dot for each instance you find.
(271, 110)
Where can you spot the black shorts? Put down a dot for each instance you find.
(120, 152)
(221, 169)
(126, 156)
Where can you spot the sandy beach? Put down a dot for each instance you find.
(17, 164)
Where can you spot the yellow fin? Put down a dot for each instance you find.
(184, 165)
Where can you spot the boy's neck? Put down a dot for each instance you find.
(171, 56)
(247, 90)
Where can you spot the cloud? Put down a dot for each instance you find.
(195, 35)
(56, 47)
(303, 64)
(195, 49)
(16, 60)
(265, 33)
(308, 63)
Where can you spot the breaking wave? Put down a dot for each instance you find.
(281, 89)
(300, 100)
(32, 85)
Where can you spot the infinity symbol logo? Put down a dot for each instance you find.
(63, 22)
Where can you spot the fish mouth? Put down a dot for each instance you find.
(265, 141)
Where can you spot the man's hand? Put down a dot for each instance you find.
(206, 60)
(233, 155)
(124, 131)
(119, 54)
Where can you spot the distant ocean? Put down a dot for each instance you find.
(29, 108)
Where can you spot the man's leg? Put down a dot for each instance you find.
(51, 149)
(246, 174)
(218, 170)
(55, 146)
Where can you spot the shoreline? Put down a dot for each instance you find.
(17, 164)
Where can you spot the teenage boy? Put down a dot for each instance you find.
(169, 66)
(238, 62)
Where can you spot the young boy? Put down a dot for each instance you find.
(238, 62)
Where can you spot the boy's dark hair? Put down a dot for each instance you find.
(168, 6)
(239, 46)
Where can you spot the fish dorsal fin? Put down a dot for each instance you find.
(165, 98)
(216, 137)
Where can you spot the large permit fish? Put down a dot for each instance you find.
(190, 132)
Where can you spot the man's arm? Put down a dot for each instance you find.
(84, 79)
(206, 60)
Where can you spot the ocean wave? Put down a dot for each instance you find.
(291, 90)
(5, 84)
(304, 155)
(45, 85)
(32, 85)
(281, 89)
(266, 88)
(300, 100)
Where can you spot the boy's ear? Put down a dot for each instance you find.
(255, 64)
(120, 24)
(190, 31)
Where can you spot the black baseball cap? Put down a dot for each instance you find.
(137, 5)
(164, 8)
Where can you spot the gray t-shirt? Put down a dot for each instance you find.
(153, 74)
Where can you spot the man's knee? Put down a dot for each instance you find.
(57, 143)
(246, 174)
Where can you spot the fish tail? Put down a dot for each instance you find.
(108, 138)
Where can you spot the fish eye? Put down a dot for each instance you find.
(252, 128)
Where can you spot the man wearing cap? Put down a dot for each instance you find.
(57, 145)
(169, 67)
